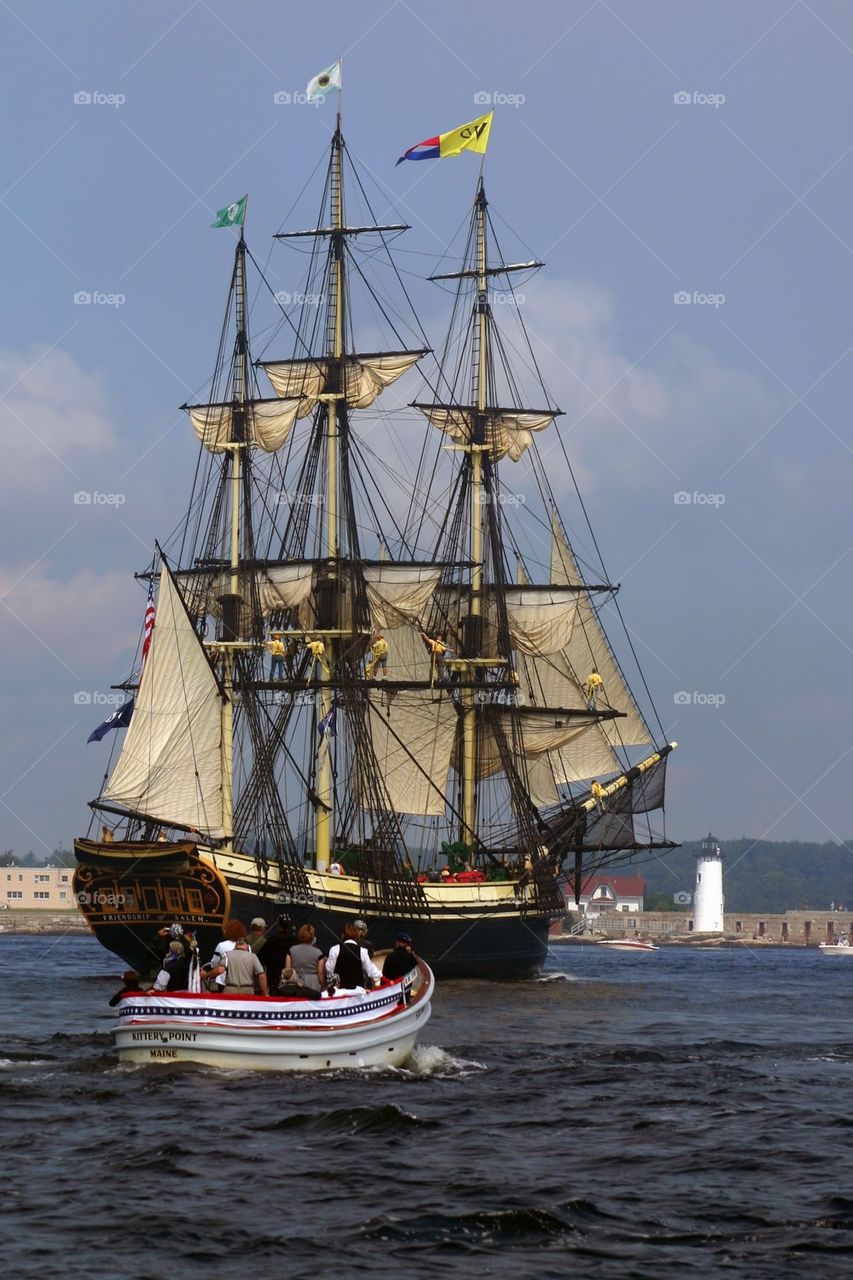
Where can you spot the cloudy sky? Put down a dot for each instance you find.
(685, 172)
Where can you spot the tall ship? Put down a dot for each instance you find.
(373, 679)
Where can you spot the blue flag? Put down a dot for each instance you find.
(119, 719)
(327, 724)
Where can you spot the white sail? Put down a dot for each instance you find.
(366, 376)
(540, 622)
(588, 650)
(170, 765)
(412, 732)
(527, 733)
(269, 423)
(509, 432)
(279, 586)
(398, 593)
(549, 682)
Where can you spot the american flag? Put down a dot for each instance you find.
(148, 624)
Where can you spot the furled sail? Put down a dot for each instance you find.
(531, 732)
(608, 823)
(365, 377)
(589, 650)
(507, 432)
(268, 423)
(279, 586)
(540, 618)
(398, 593)
(412, 732)
(540, 621)
(170, 762)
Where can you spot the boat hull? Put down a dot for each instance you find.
(636, 947)
(268, 1034)
(834, 949)
(470, 930)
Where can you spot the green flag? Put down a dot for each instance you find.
(233, 215)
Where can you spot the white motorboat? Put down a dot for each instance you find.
(274, 1033)
(841, 947)
(627, 944)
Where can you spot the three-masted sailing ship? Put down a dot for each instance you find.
(445, 738)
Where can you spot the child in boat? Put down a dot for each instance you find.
(130, 978)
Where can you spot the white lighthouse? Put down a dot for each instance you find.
(708, 898)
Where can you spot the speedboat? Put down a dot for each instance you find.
(627, 944)
(353, 1029)
(841, 947)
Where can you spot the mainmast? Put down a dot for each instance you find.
(229, 638)
(336, 392)
(476, 449)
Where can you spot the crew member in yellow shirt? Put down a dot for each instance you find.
(317, 649)
(378, 659)
(276, 648)
(593, 686)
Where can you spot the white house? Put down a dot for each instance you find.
(605, 894)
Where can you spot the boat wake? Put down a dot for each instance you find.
(429, 1060)
(557, 977)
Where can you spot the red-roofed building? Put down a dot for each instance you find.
(604, 894)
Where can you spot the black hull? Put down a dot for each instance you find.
(468, 940)
(478, 946)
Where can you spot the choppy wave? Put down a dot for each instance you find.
(694, 1123)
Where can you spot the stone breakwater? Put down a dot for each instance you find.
(800, 928)
(42, 922)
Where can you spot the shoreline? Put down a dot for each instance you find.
(32, 922)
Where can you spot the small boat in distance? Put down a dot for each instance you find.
(627, 944)
(350, 1029)
(840, 947)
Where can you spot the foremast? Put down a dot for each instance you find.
(476, 448)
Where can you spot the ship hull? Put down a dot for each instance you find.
(128, 893)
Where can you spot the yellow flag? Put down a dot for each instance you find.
(468, 137)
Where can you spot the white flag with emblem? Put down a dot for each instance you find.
(328, 81)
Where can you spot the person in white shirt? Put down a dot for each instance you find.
(215, 968)
(351, 964)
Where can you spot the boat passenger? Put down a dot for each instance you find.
(401, 960)
(214, 970)
(336, 868)
(257, 933)
(175, 971)
(305, 968)
(242, 967)
(273, 952)
(350, 963)
(131, 987)
(363, 940)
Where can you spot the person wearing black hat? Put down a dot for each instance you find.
(401, 960)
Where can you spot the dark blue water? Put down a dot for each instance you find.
(684, 1113)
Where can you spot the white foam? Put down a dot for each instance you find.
(431, 1060)
(557, 977)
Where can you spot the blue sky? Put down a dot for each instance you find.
(644, 150)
